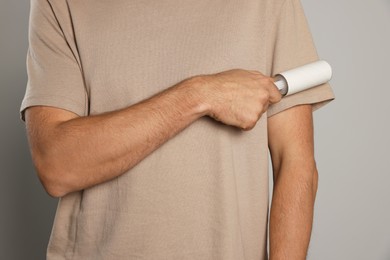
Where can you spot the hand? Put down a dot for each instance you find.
(239, 97)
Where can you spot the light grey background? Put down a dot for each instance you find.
(352, 216)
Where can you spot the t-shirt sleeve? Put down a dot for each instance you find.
(294, 47)
(54, 72)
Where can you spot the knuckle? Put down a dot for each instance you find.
(270, 80)
(248, 126)
(263, 96)
(278, 97)
(260, 112)
(250, 122)
(267, 80)
(253, 120)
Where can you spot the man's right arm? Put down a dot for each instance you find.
(71, 153)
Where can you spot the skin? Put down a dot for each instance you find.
(295, 182)
(72, 153)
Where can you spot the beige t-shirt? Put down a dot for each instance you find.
(204, 193)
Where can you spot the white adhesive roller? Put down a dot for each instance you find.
(303, 77)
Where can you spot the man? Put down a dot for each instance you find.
(151, 121)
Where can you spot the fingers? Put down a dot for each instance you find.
(274, 93)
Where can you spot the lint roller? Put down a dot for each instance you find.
(303, 77)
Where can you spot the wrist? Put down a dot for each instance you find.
(197, 90)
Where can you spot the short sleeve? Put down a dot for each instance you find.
(53, 68)
(294, 47)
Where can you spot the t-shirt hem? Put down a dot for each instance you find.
(52, 101)
(316, 102)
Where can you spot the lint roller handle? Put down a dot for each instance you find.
(303, 77)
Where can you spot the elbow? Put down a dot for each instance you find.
(53, 177)
(53, 192)
(53, 184)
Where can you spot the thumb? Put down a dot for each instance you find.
(274, 94)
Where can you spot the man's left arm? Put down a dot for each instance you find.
(290, 137)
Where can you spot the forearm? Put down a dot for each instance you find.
(73, 153)
(292, 208)
(86, 151)
(291, 143)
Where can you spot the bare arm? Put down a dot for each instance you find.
(295, 182)
(72, 153)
